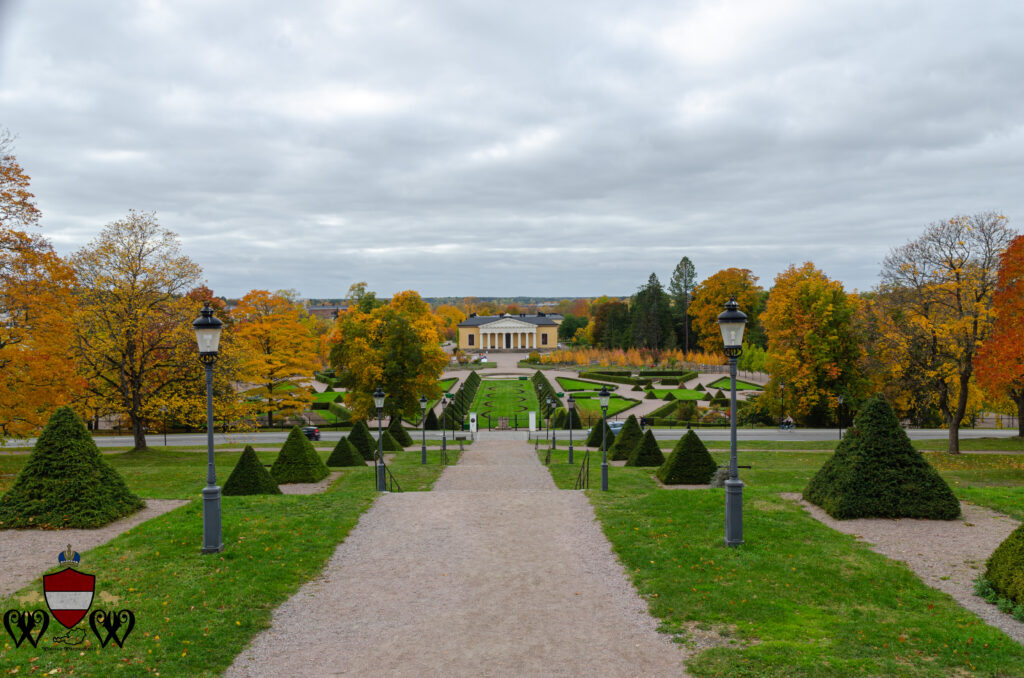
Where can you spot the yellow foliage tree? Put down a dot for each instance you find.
(280, 350)
(709, 299)
(395, 347)
(448, 319)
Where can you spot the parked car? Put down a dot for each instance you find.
(613, 426)
(312, 432)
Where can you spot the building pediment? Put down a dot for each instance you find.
(509, 324)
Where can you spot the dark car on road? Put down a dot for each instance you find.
(312, 432)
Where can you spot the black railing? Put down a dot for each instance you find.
(392, 482)
(583, 477)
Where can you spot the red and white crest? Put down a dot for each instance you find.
(69, 595)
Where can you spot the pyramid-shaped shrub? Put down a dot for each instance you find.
(345, 454)
(572, 419)
(876, 473)
(669, 396)
(1005, 567)
(250, 476)
(388, 442)
(629, 437)
(558, 418)
(430, 423)
(650, 395)
(361, 439)
(594, 439)
(646, 452)
(690, 463)
(298, 461)
(698, 387)
(398, 431)
(66, 482)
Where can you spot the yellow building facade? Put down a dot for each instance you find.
(523, 332)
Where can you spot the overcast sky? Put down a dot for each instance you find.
(515, 148)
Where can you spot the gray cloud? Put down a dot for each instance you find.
(457, 148)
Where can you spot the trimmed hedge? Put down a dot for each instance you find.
(249, 476)
(627, 439)
(650, 396)
(345, 454)
(699, 387)
(596, 436)
(572, 420)
(388, 442)
(669, 396)
(65, 482)
(398, 432)
(298, 461)
(1005, 567)
(690, 463)
(340, 411)
(876, 473)
(430, 423)
(646, 452)
(361, 439)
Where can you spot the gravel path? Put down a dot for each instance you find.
(944, 554)
(495, 573)
(311, 488)
(26, 554)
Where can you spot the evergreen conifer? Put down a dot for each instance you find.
(298, 461)
(690, 463)
(1005, 567)
(65, 482)
(345, 454)
(398, 431)
(361, 439)
(431, 421)
(249, 476)
(388, 442)
(646, 452)
(595, 437)
(629, 436)
(876, 473)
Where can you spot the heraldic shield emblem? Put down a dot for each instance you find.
(69, 595)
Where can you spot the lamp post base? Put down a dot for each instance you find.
(423, 454)
(733, 512)
(604, 476)
(382, 485)
(212, 542)
(570, 452)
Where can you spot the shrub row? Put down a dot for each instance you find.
(616, 378)
(339, 411)
(544, 390)
(682, 375)
(461, 402)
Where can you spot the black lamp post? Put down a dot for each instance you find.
(732, 322)
(782, 397)
(444, 422)
(571, 404)
(603, 397)
(378, 400)
(547, 433)
(423, 451)
(839, 415)
(208, 330)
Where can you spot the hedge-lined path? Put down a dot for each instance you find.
(495, 573)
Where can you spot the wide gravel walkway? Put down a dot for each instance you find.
(495, 573)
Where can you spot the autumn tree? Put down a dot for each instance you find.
(934, 306)
(395, 347)
(37, 373)
(1000, 360)
(709, 299)
(680, 288)
(650, 316)
(569, 327)
(448, 319)
(611, 324)
(813, 346)
(134, 320)
(280, 350)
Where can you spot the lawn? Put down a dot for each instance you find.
(194, 613)
(723, 384)
(798, 599)
(329, 397)
(569, 384)
(679, 393)
(589, 406)
(510, 398)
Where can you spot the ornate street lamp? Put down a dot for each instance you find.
(732, 322)
(444, 424)
(208, 330)
(571, 404)
(604, 397)
(378, 400)
(423, 451)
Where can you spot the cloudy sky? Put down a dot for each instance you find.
(516, 148)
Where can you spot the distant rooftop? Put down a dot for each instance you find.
(475, 320)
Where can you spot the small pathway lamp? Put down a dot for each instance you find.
(208, 330)
(423, 451)
(378, 400)
(549, 417)
(571, 404)
(732, 322)
(604, 397)
(444, 422)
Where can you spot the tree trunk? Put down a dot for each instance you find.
(139, 432)
(1018, 397)
(270, 418)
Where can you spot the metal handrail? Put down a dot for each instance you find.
(392, 482)
(583, 477)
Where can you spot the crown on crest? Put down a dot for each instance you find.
(69, 557)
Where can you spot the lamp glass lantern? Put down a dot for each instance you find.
(732, 322)
(604, 397)
(208, 329)
(378, 398)
(423, 404)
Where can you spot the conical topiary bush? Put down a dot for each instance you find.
(1005, 567)
(628, 438)
(572, 419)
(250, 476)
(669, 396)
(361, 439)
(398, 431)
(298, 461)
(65, 482)
(690, 463)
(595, 437)
(650, 395)
(646, 452)
(345, 454)
(558, 419)
(431, 421)
(388, 442)
(876, 473)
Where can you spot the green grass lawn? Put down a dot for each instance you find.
(505, 398)
(194, 613)
(329, 397)
(590, 406)
(679, 393)
(569, 384)
(724, 385)
(798, 598)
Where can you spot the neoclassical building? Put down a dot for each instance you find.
(523, 332)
